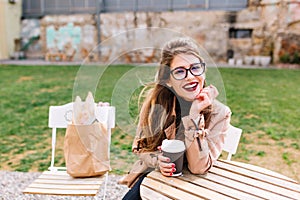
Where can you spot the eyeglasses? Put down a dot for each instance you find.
(197, 69)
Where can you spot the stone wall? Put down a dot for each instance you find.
(208, 28)
(73, 35)
(76, 35)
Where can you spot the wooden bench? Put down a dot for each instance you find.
(61, 183)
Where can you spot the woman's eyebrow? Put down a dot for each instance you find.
(186, 66)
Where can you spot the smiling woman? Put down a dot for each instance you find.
(179, 106)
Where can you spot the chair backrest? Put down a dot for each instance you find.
(232, 140)
(61, 116)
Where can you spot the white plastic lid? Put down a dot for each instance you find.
(172, 146)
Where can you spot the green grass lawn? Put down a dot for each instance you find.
(266, 100)
(265, 104)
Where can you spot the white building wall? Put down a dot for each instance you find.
(10, 27)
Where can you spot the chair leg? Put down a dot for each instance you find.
(105, 184)
(51, 168)
(229, 156)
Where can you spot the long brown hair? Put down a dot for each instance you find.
(160, 100)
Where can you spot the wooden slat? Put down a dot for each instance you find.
(61, 183)
(68, 182)
(260, 170)
(224, 180)
(149, 194)
(65, 176)
(60, 192)
(64, 187)
(69, 178)
(167, 190)
(188, 187)
(255, 182)
(223, 189)
(53, 173)
(259, 176)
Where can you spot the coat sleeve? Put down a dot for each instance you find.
(205, 148)
(148, 158)
(147, 162)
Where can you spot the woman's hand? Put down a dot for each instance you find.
(166, 168)
(203, 99)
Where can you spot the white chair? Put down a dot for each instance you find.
(56, 181)
(61, 116)
(232, 140)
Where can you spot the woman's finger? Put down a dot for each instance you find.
(211, 91)
(167, 169)
(166, 166)
(164, 159)
(159, 148)
(201, 96)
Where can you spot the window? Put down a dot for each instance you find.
(240, 33)
(89, 6)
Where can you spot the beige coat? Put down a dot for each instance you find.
(201, 157)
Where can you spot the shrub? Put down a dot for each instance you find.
(296, 58)
(285, 58)
(293, 58)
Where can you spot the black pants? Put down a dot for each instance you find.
(134, 192)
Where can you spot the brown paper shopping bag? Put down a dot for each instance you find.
(86, 150)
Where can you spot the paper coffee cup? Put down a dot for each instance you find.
(174, 149)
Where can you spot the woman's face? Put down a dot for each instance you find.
(189, 87)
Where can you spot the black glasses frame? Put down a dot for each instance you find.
(203, 65)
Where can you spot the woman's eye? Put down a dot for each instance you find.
(195, 68)
(179, 71)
